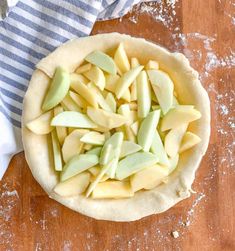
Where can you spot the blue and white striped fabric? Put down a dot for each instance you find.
(31, 31)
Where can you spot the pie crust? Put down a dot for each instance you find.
(190, 91)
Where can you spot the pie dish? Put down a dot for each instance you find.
(190, 91)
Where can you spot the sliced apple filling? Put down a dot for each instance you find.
(116, 126)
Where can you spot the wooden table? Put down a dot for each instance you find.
(204, 31)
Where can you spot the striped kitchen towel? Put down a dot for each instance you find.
(31, 31)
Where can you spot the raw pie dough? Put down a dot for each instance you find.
(190, 91)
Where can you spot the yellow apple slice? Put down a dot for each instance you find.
(95, 170)
(73, 186)
(112, 190)
(121, 59)
(102, 60)
(96, 75)
(173, 140)
(70, 104)
(134, 63)
(110, 100)
(163, 88)
(110, 82)
(129, 147)
(72, 144)
(72, 119)
(93, 138)
(133, 106)
(56, 152)
(87, 147)
(60, 130)
(104, 178)
(105, 119)
(189, 140)
(135, 128)
(126, 80)
(83, 68)
(96, 151)
(152, 65)
(78, 77)
(57, 90)
(148, 178)
(133, 163)
(143, 94)
(99, 97)
(81, 102)
(147, 130)
(129, 115)
(179, 115)
(78, 164)
(84, 91)
(158, 149)
(42, 124)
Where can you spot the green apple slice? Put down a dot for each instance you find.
(158, 149)
(72, 144)
(107, 154)
(96, 75)
(57, 90)
(163, 88)
(102, 60)
(112, 190)
(73, 186)
(69, 104)
(78, 164)
(152, 65)
(147, 130)
(129, 147)
(110, 100)
(121, 59)
(42, 124)
(148, 178)
(116, 142)
(83, 68)
(126, 80)
(99, 97)
(93, 138)
(56, 152)
(81, 102)
(135, 127)
(173, 140)
(105, 119)
(96, 151)
(98, 178)
(178, 116)
(134, 163)
(173, 163)
(189, 140)
(84, 91)
(72, 119)
(143, 94)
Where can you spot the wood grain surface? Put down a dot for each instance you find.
(204, 31)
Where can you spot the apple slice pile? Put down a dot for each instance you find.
(116, 126)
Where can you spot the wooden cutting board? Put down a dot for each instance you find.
(204, 31)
